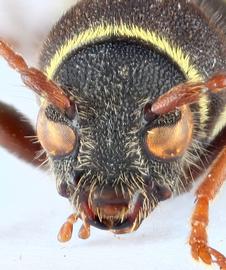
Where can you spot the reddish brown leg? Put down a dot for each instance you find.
(16, 135)
(37, 81)
(205, 193)
(188, 93)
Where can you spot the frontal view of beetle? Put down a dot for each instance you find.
(132, 110)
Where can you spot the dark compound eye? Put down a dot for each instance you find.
(56, 138)
(171, 141)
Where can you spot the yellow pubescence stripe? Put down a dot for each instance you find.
(105, 31)
(203, 107)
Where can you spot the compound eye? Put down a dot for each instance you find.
(56, 138)
(171, 141)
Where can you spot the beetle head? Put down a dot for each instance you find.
(115, 160)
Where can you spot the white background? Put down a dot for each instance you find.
(31, 212)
